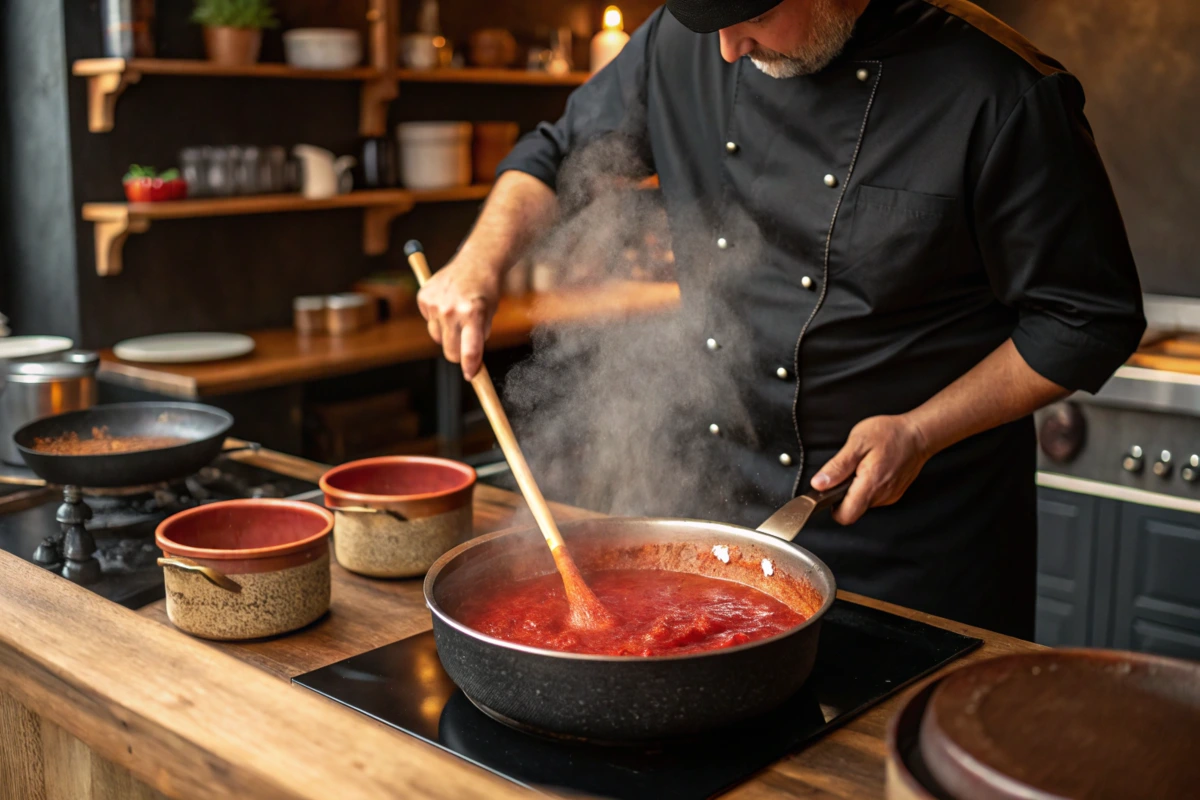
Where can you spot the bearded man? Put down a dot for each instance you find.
(902, 205)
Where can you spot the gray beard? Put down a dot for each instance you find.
(833, 23)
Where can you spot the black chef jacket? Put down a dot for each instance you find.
(872, 232)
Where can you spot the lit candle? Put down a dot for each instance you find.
(608, 42)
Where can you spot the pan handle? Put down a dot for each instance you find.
(209, 574)
(396, 515)
(787, 522)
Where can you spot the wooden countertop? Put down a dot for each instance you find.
(195, 719)
(1177, 353)
(282, 356)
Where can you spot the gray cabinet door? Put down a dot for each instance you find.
(1067, 542)
(1158, 582)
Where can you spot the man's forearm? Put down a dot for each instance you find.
(997, 390)
(518, 210)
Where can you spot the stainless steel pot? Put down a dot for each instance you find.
(32, 389)
(626, 699)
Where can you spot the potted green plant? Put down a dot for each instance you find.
(233, 28)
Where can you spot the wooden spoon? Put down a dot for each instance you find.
(586, 609)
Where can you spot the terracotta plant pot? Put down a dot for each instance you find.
(396, 515)
(242, 569)
(232, 47)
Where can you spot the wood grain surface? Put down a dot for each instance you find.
(277, 203)
(282, 356)
(91, 67)
(194, 719)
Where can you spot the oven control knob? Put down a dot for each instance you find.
(1191, 473)
(1162, 467)
(1134, 461)
(1062, 432)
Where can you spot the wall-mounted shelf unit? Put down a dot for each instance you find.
(511, 77)
(282, 356)
(108, 77)
(114, 222)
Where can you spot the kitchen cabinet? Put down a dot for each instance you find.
(1066, 576)
(1158, 584)
(1117, 574)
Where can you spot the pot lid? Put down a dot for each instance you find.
(72, 364)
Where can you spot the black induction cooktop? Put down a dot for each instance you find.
(864, 656)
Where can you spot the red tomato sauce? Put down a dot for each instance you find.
(657, 613)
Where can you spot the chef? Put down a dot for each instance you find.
(922, 248)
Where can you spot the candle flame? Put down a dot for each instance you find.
(613, 21)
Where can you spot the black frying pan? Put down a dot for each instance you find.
(631, 699)
(203, 426)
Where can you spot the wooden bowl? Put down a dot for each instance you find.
(242, 569)
(1066, 723)
(421, 509)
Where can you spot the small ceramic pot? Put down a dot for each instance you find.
(396, 515)
(242, 569)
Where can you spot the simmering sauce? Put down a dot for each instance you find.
(656, 613)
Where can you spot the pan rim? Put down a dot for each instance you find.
(170, 546)
(225, 417)
(465, 471)
(431, 576)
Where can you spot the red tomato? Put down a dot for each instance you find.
(138, 190)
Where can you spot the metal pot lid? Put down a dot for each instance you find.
(72, 364)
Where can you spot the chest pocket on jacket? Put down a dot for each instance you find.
(902, 247)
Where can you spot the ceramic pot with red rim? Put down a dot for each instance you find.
(242, 569)
(396, 515)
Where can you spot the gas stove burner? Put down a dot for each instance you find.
(126, 555)
(104, 539)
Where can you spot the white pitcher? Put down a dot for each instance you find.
(323, 175)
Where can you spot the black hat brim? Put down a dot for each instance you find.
(706, 16)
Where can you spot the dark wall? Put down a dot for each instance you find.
(224, 273)
(36, 206)
(1139, 62)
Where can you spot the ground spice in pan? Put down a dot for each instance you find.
(69, 444)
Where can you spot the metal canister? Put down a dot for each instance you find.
(35, 388)
(118, 27)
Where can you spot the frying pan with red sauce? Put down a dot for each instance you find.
(626, 685)
(654, 612)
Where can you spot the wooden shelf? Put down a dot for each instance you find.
(114, 222)
(513, 77)
(109, 77)
(282, 356)
(90, 67)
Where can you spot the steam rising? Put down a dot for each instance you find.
(616, 418)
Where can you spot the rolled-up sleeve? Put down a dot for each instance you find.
(613, 101)
(1053, 241)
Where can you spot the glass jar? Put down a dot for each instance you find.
(308, 314)
(346, 313)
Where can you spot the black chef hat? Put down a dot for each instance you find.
(706, 16)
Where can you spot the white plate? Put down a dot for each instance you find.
(25, 346)
(184, 348)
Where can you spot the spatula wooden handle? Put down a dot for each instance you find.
(488, 399)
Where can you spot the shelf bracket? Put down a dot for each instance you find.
(376, 222)
(110, 240)
(377, 94)
(103, 91)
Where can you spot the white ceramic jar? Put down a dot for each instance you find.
(435, 155)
